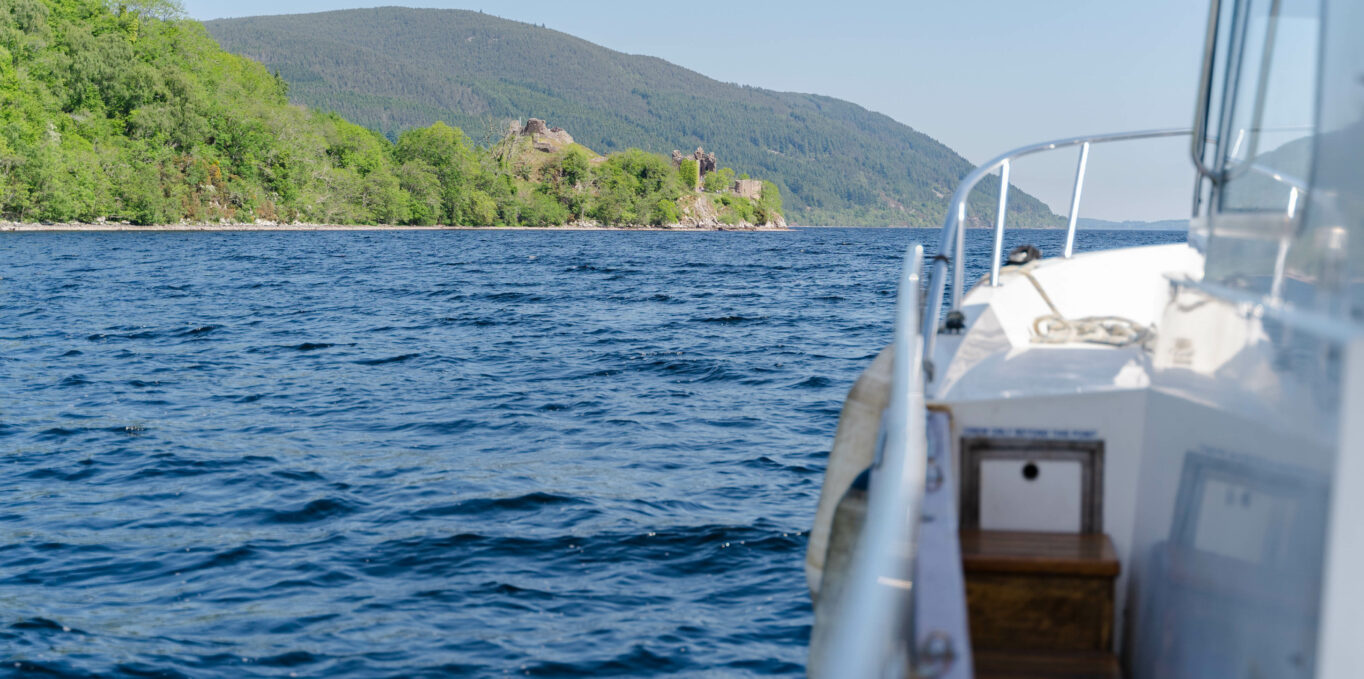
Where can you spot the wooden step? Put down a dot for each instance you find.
(994, 551)
(1019, 665)
(1039, 593)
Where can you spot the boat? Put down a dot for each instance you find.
(1144, 462)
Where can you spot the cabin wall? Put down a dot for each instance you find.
(1235, 487)
(1114, 417)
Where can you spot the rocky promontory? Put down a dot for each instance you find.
(693, 191)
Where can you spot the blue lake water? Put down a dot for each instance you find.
(361, 454)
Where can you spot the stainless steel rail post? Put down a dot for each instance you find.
(999, 222)
(933, 306)
(959, 260)
(1075, 199)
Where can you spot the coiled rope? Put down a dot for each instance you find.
(1055, 328)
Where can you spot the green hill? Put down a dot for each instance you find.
(394, 68)
(128, 112)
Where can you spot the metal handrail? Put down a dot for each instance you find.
(869, 624)
(953, 238)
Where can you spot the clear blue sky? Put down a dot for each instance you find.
(981, 76)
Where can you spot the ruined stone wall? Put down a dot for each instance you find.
(542, 136)
(751, 189)
(705, 162)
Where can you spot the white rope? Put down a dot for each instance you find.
(1055, 328)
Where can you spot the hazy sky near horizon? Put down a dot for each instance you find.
(981, 76)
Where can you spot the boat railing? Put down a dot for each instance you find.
(903, 611)
(872, 626)
(953, 236)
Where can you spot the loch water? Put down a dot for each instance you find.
(407, 454)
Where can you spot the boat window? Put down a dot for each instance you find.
(1265, 142)
(1330, 246)
(1268, 124)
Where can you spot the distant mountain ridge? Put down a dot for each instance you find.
(1104, 224)
(395, 68)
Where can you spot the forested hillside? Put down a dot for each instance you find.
(123, 110)
(391, 69)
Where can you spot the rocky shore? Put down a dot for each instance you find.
(266, 226)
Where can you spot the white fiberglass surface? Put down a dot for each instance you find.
(1218, 477)
(998, 356)
(1234, 488)
(1239, 521)
(1030, 495)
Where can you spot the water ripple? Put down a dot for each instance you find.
(425, 454)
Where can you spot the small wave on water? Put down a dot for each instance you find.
(733, 319)
(434, 456)
(387, 360)
(201, 330)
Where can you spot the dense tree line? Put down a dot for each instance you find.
(124, 110)
(392, 69)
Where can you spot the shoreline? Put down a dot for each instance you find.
(28, 227)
